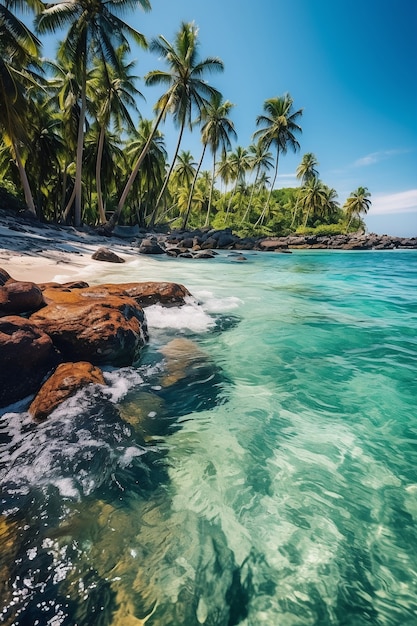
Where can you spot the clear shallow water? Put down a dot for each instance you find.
(258, 466)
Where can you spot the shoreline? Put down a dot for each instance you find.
(37, 252)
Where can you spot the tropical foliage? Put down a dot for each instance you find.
(74, 146)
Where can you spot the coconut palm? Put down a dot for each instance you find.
(216, 134)
(358, 202)
(19, 49)
(240, 164)
(260, 161)
(279, 129)
(150, 177)
(312, 197)
(113, 94)
(187, 90)
(307, 168)
(94, 29)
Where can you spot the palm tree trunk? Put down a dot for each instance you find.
(101, 212)
(206, 223)
(190, 197)
(80, 149)
(251, 196)
(167, 177)
(264, 210)
(115, 217)
(295, 210)
(24, 180)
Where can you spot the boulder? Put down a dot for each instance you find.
(104, 254)
(4, 276)
(150, 246)
(27, 355)
(144, 294)
(18, 297)
(67, 379)
(101, 329)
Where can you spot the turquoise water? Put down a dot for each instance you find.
(257, 466)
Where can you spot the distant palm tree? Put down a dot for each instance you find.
(150, 176)
(240, 164)
(307, 168)
(305, 171)
(216, 132)
(94, 28)
(260, 161)
(357, 203)
(312, 197)
(279, 129)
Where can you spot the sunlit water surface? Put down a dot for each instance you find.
(257, 466)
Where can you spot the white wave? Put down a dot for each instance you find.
(191, 317)
(216, 304)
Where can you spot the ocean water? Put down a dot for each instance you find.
(258, 465)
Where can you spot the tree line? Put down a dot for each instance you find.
(75, 147)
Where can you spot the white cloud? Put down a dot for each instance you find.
(375, 157)
(402, 202)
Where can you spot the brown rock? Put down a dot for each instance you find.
(144, 294)
(64, 382)
(4, 276)
(104, 254)
(99, 328)
(20, 297)
(27, 354)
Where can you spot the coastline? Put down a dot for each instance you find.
(39, 252)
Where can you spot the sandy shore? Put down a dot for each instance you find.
(41, 252)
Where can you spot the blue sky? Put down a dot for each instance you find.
(351, 65)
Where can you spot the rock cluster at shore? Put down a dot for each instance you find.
(45, 325)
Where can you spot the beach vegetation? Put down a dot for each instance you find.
(74, 145)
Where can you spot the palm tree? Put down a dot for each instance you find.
(113, 92)
(305, 172)
(260, 161)
(307, 168)
(312, 197)
(279, 129)
(151, 173)
(215, 133)
(19, 50)
(240, 164)
(94, 26)
(187, 90)
(357, 203)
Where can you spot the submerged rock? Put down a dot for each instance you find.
(67, 379)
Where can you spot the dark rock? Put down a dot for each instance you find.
(64, 382)
(144, 294)
(18, 297)
(4, 277)
(150, 246)
(27, 355)
(104, 254)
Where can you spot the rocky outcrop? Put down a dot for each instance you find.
(72, 323)
(66, 380)
(102, 330)
(145, 294)
(27, 356)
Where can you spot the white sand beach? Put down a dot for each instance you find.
(38, 253)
